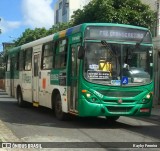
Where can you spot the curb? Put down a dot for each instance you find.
(6, 134)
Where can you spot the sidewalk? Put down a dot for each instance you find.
(6, 134)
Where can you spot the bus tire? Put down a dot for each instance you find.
(112, 118)
(20, 100)
(60, 115)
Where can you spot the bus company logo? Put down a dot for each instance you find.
(54, 77)
(120, 101)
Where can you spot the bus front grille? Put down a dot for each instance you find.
(118, 109)
(116, 101)
(113, 93)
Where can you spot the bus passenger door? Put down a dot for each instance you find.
(74, 78)
(35, 86)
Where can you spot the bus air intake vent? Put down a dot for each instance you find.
(119, 93)
(118, 109)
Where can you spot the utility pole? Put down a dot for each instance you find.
(158, 18)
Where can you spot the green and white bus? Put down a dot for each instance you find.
(93, 69)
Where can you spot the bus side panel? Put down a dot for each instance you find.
(26, 79)
(45, 91)
(55, 84)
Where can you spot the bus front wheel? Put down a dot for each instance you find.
(58, 108)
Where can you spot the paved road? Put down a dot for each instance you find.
(39, 125)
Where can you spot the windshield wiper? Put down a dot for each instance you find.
(138, 43)
(104, 43)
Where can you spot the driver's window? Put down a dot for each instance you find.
(92, 57)
(96, 55)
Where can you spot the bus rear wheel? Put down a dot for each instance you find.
(58, 108)
(20, 100)
(112, 118)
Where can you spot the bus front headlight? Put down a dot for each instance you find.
(90, 97)
(147, 98)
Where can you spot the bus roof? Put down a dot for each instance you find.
(68, 32)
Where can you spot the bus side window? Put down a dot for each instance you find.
(47, 56)
(21, 60)
(61, 53)
(28, 59)
(17, 62)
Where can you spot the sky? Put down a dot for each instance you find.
(18, 15)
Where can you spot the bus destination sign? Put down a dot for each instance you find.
(118, 33)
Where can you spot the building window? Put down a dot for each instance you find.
(57, 14)
(65, 6)
(60, 5)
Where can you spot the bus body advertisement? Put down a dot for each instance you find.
(93, 69)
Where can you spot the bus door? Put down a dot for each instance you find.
(35, 86)
(74, 78)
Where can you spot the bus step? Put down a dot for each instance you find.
(36, 104)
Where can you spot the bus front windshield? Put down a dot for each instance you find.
(118, 64)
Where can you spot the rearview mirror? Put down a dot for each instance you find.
(159, 53)
(81, 52)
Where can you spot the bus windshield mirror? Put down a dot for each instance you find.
(81, 52)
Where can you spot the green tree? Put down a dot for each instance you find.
(30, 35)
(116, 11)
(58, 27)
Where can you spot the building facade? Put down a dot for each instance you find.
(151, 3)
(155, 5)
(64, 9)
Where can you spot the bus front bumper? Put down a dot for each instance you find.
(94, 109)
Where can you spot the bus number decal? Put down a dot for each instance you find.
(98, 94)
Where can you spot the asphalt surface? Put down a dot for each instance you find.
(39, 125)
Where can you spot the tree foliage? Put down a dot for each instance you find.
(58, 27)
(33, 34)
(116, 11)
(131, 12)
(30, 35)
